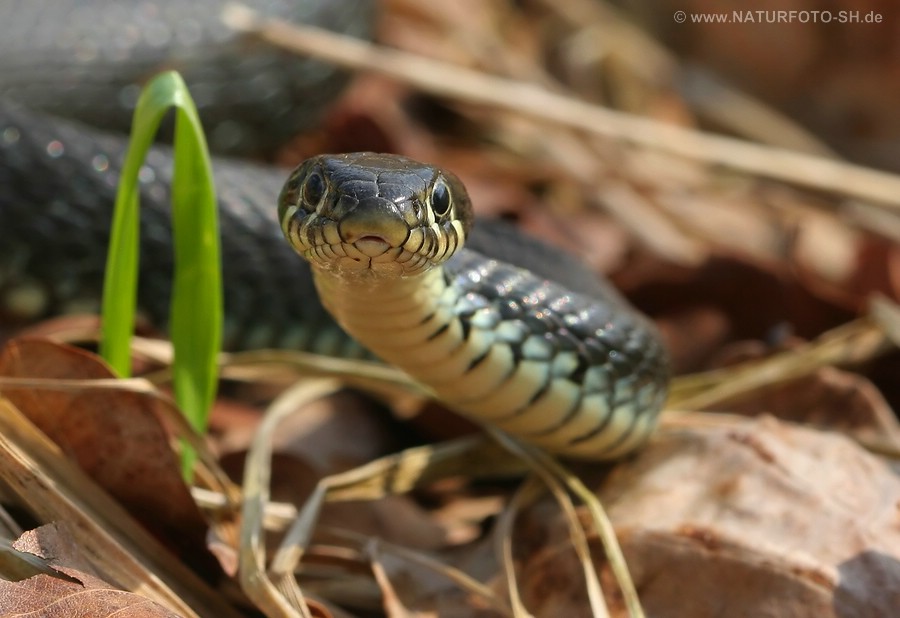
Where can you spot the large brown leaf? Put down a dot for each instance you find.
(741, 518)
(80, 594)
(115, 435)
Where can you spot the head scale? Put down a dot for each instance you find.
(376, 214)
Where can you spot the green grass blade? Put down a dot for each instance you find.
(196, 313)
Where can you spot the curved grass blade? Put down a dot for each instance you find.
(195, 321)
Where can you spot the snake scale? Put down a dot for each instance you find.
(501, 327)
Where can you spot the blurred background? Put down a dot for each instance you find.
(730, 165)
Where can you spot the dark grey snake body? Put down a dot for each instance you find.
(57, 182)
(86, 59)
(57, 188)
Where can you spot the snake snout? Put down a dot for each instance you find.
(374, 224)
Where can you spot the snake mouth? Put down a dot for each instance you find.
(372, 245)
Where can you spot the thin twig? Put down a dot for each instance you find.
(420, 559)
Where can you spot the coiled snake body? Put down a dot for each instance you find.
(505, 329)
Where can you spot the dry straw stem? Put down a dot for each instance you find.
(281, 598)
(366, 375)
(275, 590)
(850, 343)
(52, 489)
(132, 385)
(18, 565)
(375, 548)
(393, 606)
(530, 491)
(277, 516)
(471, 458)
(278, 366)
(503, 532)
(448, 80)
(603, 30)
(556, 476)
(395, 474)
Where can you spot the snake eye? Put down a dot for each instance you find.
(313, 189)
(440, 198)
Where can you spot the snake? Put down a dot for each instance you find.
(87, 60)
(582, 376)
(501, 327)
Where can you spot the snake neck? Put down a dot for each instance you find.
(394, 320)
(495, 343)
(420, 325)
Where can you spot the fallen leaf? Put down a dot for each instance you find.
(830, 398)
(52, 597)
(758, 516)
(115, 435)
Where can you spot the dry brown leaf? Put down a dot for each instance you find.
(757, 516)
(115, 435)
(47, 597)
(690, 575)
(830, 398)
(81, 594)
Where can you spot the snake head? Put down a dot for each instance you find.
(377, 214)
